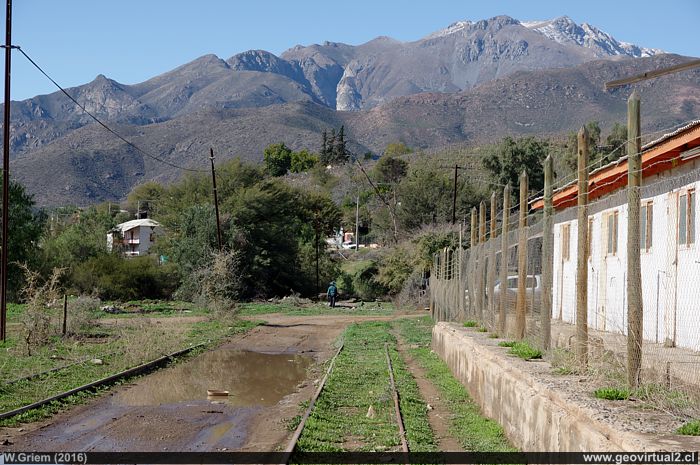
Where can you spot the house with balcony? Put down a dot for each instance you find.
(134, 238)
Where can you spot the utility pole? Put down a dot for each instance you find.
(454, 198)
(216, 199)
(5, 171)
(357, 223)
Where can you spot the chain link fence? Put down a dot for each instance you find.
(510, 285)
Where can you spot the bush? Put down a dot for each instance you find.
(470, 324)
(114, 278)
(219, 284)
(41, 300)
(82, 313)
(365, 282)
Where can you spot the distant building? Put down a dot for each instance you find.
(134, 237)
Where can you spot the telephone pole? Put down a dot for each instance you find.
(5, 172)
(216, 198)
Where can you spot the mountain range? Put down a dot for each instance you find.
(470, 82)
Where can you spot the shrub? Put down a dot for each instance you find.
(41, 299)
(82, 313)
(365, 283)
(612, 394)
(470, 324)
(115, 278)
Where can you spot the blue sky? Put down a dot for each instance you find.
(133, 40)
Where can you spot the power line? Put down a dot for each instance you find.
(98, 121)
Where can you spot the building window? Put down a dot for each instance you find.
(646, 217)
(612, 233)
(565, 241)
(686, 218)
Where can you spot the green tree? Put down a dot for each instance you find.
(278, 159)
(25, 226)
(506, 161)
(616, 143)
(302, 161)
(571, 153)
(390, 169)
(340, 151)
(396, 149)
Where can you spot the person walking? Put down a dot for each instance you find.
(332, 293)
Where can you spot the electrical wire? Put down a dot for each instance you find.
(98, 121)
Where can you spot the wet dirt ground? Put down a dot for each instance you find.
(269, 371)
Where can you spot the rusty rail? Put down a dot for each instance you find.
(101, 382)
(397, 406)
(297, 433)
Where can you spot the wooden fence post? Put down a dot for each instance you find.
(547, 255)
(581, 252)
(491, 275)
(474, 242)
(481, 286)
(635, 309)
(521, 300)
(505, 255)
(65, 314)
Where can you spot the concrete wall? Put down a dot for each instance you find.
(534, 417)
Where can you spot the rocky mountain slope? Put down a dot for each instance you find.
(87, 165)
(472, 81)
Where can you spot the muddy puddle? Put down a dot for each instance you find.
(252, 379)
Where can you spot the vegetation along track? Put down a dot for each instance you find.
(365, 399)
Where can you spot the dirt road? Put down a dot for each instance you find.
(269, 371)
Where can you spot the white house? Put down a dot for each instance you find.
(135, 236)
(670, 253)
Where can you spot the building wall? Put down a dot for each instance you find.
(670, 273)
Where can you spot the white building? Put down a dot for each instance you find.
(135, 237)
(670, 253)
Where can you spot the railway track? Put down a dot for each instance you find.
(291, 446)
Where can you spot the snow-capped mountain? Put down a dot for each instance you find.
(564, 30)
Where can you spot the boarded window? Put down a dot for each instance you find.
(612, 233)
(645, 229)
(686, 218)
(565, 241)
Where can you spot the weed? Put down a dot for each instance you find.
(493, 336)
(483, 329)
(470, 324)
(359, 380)
(474, 431)
(612, 393)
(691, 428)
(525, 351)
(564, 362)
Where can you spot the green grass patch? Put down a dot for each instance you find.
(691, 428)
(120, 346)
(470, 324)
(360, 379)
(507, 343)
(483, 329)
(525, 351)
(313, 309)
(474, 431)
(612, 394)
